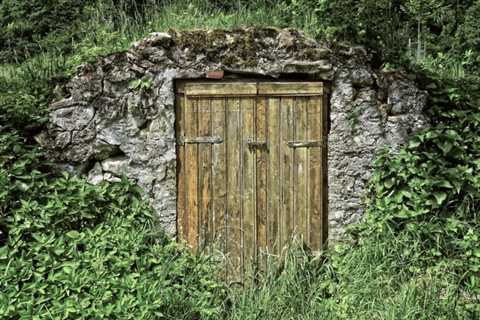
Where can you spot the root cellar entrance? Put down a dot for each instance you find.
(251, 167)
(236, 163)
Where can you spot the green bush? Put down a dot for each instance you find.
(24, 103)
(430, 190)
(71, 250)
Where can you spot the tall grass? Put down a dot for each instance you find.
(108, 28)
(367, 281)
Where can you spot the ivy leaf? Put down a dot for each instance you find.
(389, 183)
(73, 234)
(3, 253)
(445, 184)
(446, 147)
(440, 197)
(414, 143)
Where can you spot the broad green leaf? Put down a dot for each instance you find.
(73, 234)
(440, 197)
(4, 252)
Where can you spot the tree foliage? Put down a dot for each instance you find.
(29, 27)
(402, 30)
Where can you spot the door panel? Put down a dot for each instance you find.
(204, 173)
(219, 181)
(261, 179)
(182, 227)
(286, 168)
(233, 176)
(273, 175)
(300, 164)
(251, 168)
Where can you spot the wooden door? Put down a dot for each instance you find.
(251, 168)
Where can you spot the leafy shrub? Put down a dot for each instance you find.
(433, 180)
(22, 106)
(73, 250)
(428, 194)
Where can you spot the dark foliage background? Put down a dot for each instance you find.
(392, 29)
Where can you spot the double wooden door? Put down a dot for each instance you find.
(251, 168)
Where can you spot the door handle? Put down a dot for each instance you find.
(253, 144)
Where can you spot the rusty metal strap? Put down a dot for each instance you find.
(305, 143)
(197, 140)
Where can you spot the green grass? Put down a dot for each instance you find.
(102, 34)
(355, 282)
(108, 29)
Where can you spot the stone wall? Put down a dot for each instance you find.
(117, 117)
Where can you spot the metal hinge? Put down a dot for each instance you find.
(197, 140)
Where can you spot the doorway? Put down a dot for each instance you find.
(251, 167)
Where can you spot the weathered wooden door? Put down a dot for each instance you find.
(251, 167)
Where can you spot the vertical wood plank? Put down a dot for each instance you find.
(301, 162)
(273, 177)
(219, 191)
(261, 182)
(324, 168)
(191, 172)
(234, 231)
(248, 182)
(314, 128)
(286, 169)
(204, 174)
(182, 227)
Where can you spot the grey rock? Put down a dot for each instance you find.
(95, 176)
(117, 166)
